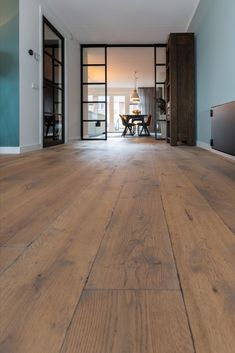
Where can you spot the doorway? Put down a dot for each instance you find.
(107, 82)
(53, 85)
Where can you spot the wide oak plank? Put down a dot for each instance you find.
(130, 322)
(136, 250)
(8, 255)
(41, 289)
(204, 250)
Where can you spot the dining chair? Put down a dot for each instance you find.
(127, 126)
(145, 126)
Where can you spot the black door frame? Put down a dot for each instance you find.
(154, 46)
(84, 46)
(62, 88)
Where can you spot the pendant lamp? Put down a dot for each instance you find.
(134, 98)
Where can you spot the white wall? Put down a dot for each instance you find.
(31, 12)
(74, 92)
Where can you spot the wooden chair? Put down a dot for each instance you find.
(127, 126)
(145, 128)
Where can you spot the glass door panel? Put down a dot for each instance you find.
(94, 111)
(53, 86)
(94, 93)
(160, 79)
(94, 55)
(94, 130)
(93, 74)
(160, 55)
(160, 74)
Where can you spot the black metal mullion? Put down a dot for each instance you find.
(124, 45)
(53, 80)
(94, 120)
(87, 65)
(93, 102)
(52, 84)
(93, 83)
(158, 83)
(106, 92)
(81, 58)
(105, 46)
(155, 94)
(89, 84)
(53, 57)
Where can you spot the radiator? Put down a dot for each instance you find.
(223, 128)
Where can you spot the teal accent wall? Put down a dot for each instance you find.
(214, 28)
(9, 73)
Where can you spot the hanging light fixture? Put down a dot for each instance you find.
(134, 98)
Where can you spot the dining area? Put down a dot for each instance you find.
(136, 124)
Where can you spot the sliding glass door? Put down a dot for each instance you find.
(53, 85)
(160, 79)
(94, 92)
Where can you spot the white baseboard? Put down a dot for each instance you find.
(9, 150)
(21, 149)
(206, 146)
(30, 148)
(71, 139)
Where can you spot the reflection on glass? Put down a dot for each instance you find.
(161, 129)
(94, 111)
(160, 112)
(94, 56)
(53, 127)
(58, 101)
(118, 108)
(48, 99)
(160, 74)
(94, 129)
(48, 67)
(52, 87)
(94, 74)
(58, 74)
(57, 51)
(93, 93)
(52, 43)
(49, 50)
(160, 55)
(160, 91)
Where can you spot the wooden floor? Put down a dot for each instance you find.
(125, 246)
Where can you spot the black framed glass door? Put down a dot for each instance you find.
(160, 88)
(53, 85)
(94, 92)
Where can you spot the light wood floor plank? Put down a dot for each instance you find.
(213, 176)
(102, 225)
(136, 251)
(7, 256)
(204, 250)
(129, 321)
(218, 190)
(41, 289)
(32, 184)
(21, 226)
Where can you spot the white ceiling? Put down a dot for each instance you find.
(124, 21)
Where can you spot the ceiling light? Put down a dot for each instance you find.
(134, 98)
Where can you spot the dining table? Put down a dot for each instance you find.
(139, 120)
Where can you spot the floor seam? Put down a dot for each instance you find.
(93, 262)
(179, 279)
(130, 290)
(28, 245)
